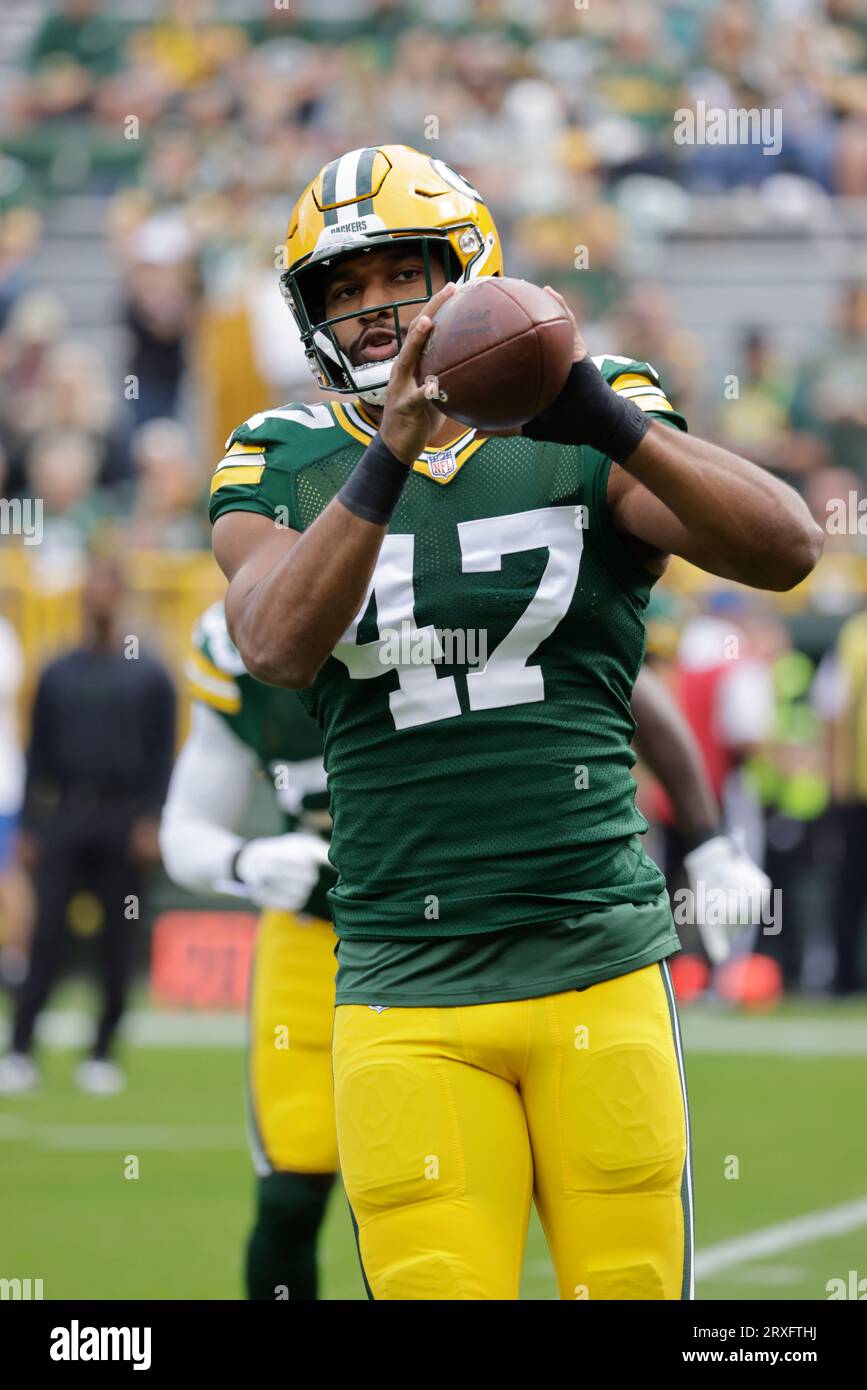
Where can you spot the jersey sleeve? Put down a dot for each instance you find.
(263, 458)
(247, 480)
(639, 382)
(213, 665)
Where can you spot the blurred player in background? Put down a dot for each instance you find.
(240, 729)
(471, 874)
(98, 765)
(15, 897)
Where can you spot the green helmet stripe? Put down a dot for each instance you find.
(329, 191)
(364, 181)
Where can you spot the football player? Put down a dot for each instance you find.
(505, 1024)
(240, 729)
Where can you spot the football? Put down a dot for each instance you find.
(501, 350)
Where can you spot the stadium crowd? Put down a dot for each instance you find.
(194, 120)
(194, 123)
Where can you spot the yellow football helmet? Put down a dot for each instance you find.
(366, 199)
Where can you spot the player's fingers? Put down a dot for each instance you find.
(555, 294)
(419, 330)
(403, 370)
(580, 345)
(437, 300)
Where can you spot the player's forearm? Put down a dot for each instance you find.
(287, 617)
(196, 853)
(288, 622)
(667, 746)
(740, 520)
(681, 775)
(719, 511)
(209, 788)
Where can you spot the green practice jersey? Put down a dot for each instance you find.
(270, 721)
(476, 713)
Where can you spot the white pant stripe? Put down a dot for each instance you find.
(678, 1047)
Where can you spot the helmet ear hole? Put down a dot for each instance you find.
(311, 286)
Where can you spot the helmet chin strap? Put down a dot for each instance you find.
(370, 380)
(375, 395)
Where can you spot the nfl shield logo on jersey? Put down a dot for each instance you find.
(442, 463)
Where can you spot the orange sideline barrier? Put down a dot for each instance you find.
(201, 960)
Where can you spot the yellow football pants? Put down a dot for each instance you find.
(290, 1021)
(450, 1119)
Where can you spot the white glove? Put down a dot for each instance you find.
(728, 888)
(282, 870)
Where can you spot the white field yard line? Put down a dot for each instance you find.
(773, 1037)
(786, 1235)
(727, 1034)
(96, 1138)
(73, 1028)
(766, 1275)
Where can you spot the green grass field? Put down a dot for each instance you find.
(783, 1095)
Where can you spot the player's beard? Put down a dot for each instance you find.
(356, 352)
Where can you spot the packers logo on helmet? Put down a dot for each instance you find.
(364, 200)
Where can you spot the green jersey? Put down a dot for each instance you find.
(273, 724)
(476, 713)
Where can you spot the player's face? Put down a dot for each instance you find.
(360, 283)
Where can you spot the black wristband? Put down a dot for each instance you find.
(587, 411)
(373, 488)
(701, 837)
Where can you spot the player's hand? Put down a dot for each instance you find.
(281, 871)
(732, 888)
(580, 348)
(410, 416)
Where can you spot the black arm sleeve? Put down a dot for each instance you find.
(587, 411)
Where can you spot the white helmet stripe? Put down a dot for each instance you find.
(346, 185)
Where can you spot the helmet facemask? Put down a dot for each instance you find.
(303, 289)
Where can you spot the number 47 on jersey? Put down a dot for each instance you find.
(424, 697)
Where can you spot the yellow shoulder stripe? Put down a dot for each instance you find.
(245, 449)
(244, 473)
(207, 667)
(633, 379)
(638, 387)
(208, 683)
(218, 702)
(655, 402)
